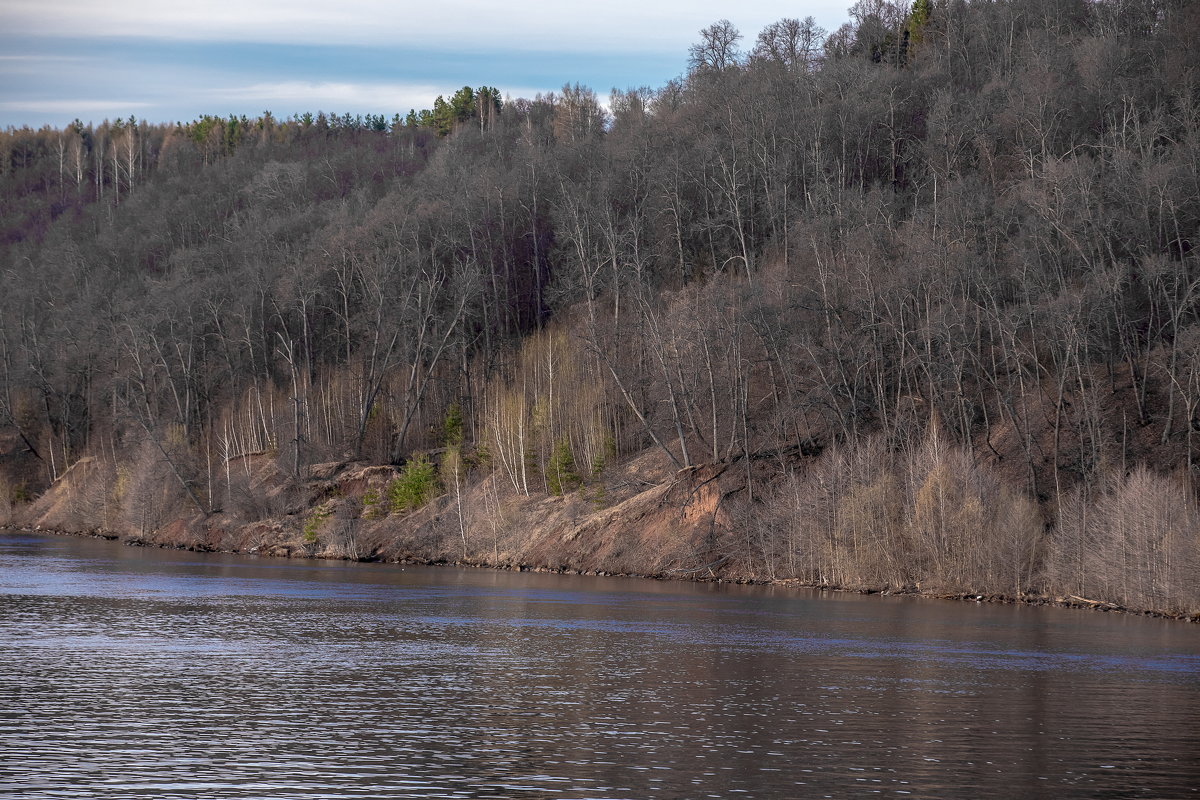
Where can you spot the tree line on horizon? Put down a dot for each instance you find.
(946, 252)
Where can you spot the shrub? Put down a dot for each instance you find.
(21, 494)
(371, 501)
(452, 426)
(312, 526)
(414, 487)
(561, 476)
(605, 453)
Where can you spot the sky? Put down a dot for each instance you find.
(175, 60)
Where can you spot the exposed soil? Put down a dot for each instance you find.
(647, 521)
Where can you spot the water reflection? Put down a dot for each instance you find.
(145, 673)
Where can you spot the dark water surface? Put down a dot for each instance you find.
(130, 673)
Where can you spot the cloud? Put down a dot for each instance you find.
(534, 25)
(180, 60)
(335, 95)
(90, 106)
(326, 94)
(39, 59)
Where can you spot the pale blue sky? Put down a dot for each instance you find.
(166, 60)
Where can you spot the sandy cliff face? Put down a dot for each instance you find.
(865, 518)
(643, 519)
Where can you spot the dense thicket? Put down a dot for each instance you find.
(976, 215)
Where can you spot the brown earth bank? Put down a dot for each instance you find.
(712, 522)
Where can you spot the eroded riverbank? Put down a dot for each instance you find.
(1076, 603)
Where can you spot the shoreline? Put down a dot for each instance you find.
(1043, 601)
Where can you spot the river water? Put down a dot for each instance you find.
(130, 673)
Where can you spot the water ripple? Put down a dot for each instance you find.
(146, 674)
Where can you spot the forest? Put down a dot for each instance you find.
(922, 291)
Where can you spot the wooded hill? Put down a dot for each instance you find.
(934, 275)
